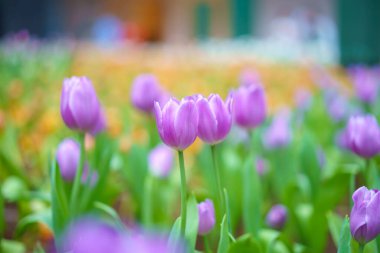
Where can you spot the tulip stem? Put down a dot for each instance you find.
(218, 181)
(183, 192)
(206, 244)
(361, 247)
(78, 176)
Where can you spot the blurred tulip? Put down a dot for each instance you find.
(249, 106)
(161, 160)
(68, 154)
(337, 105)
(261, 166)
(91, 235)
(80, 107)
(206, 214)
(278, 134)
(145, 92)
(366, 83)
(365, 215)
(249, 77)
(277, 217)
(303, 99)
(362, 136)
(214, 119)
(177, 122)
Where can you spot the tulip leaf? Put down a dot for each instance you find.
(191, 223)
(224, 240)
(245, 244)
(345, 237)
(175, 234)
(335, 223)
(111, 213)
(8, 246)
(147, 207)
(43, 217)
(251, 198)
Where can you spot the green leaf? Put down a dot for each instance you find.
(228, 212)
(44, 217)
(245, 244)
(191, 223)
(147, 205)
(251, 198)
(345, 237)
(175, 234)
(14, 189)
(335, 223)
(38, 248)
(2, 216)
(8, 246)
(224, 240)
(111, 213)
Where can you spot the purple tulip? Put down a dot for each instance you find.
(249, 77)
(261, 166)
(249, 106)
(80, 107)
(206, 214)
(303, 99)
(366, 83)
(90, 235)
(362, 136)
(145, 92)
(277, 217)
(161, 160)
(68, 155)
(177, 122)
(214, 119)
(365, 215)
(278, 134)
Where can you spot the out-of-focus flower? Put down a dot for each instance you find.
(303, 99)
(277, 217)
(279, 133)
(177, 122)
(91, 235)
(249, 106)
(261, 166)
(365, 215)
(366, 83)
(68, 154)
(80, 107)
(249, 77)
(161, 160)
(87, 172)
(206, 213)
(337, 105)
(362, 136)
(214, 119)
(145, 92)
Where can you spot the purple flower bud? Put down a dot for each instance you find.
(161, 160)
(206, 213)
(337, 106)
(80, 107)
(145, 92)
(214, 119)
(278, 134)
(249, 77)
(261, 166)
(90, 235)
(365, 83)
(249, 106)
(365, 215)
(362, 136)
(277, 216)
(177, 123)
(68, 155)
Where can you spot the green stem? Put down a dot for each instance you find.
(206, 244)
(2, 220)
(352, 189)
(183, 192)
(361, 248)
(218, 181)
(78, 176)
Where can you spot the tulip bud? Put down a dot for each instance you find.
(206, 214)
(80, 107)
(278, 134)
(277, 216)
(68, 155)
(365, 215)
(249, 106)
(161, 160)
(214, 119)
(365, 83)
(362, 136)
(177, 122)
(145, 92)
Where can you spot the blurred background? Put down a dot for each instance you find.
(344, 31)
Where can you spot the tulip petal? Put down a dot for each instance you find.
(373, 217)
(186, 124)
(207, 122)
(169, 135)
(223, 117)
(66, 114)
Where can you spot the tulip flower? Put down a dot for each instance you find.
(68, 155)
(206, 214)
(161, 160)
(80, 107)
(249, 106)
(366, 83)
(365, 215)
(261, 166)
(177, 123)
(303, 99)
(362, 136)
(214, 119)
(145, 92)
(277, 217)
(249, 77)
(279, 133)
